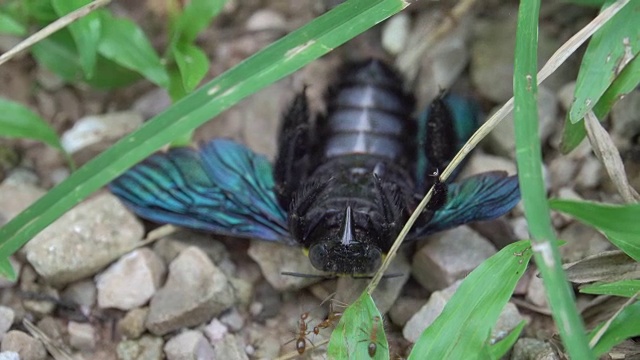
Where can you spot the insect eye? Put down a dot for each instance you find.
(318, 255)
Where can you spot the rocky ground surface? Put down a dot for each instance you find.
(87, 288)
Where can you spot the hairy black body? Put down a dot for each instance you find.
(347, 180)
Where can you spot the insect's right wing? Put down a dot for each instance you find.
(485, 196)
(222, 188)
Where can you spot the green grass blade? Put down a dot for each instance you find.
(360, 322)
(269, 65)
(461, 331)
(624, 326)
(11, 26)
(610, 49)
(624, 288)
(536, 207)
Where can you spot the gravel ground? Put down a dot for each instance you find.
(92, 292)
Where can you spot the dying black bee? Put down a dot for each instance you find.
(342, 186)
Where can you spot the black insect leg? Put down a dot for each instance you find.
(302, 220)
(437, 201)
(389, 200)
(294, 145)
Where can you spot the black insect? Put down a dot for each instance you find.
(345, 184)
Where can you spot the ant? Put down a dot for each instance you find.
(332, 318)
(301, 339)
(373, 337)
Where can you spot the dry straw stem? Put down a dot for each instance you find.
(609, 156)
(557, 59)
(51, 28)
(55, 348)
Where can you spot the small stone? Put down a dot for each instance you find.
(509, 318)
(563, 172)
(82, 293)
(41, 299)
(81, 336)
(26, 346)
(215, 330)
(232, 319)
(84, 240)
(590, 174)
(195, 291)
(171, 245)
(152, 103)
(54, 329)
(146, 348)
(16, 197)
(9, 355)
(450, 256)
(565, 95)
(265, 19)
(131, 281)
(94, 133)
(395, 32)
(403, 309)
(190, 344)
(229, 347)
(276, 258)
(242, 290)
(132, 325)
(624, 117)
(6, 320)
(536, 294)
(533, 349)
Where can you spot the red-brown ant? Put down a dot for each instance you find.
(301, 339)
(373, 336)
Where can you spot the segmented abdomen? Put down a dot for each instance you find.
(368, 113)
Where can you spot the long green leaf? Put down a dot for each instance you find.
(536, 207)
(11, 26)
(462, 329)
(502, 347)
(269, 65)
(624, 288)
(606, 217)
(610, 49)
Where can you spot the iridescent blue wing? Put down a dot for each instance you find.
(480, 197)
(443, 128)
(223, 188)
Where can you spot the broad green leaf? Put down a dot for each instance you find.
(11, 26)
(359, 328)
(502, 347)
(626, 82)
(618, 222)
(176, 85)
(610, 48)
(124, 43)
(195, 17)
(624, 326)
(7, 270)
(461, 331)
(192, 63)
(85, 32)
(58, 54)
(278, 60)
(597, 3)
(41, 11)
(624, 288)
(18, 121)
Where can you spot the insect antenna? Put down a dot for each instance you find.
(310, 276)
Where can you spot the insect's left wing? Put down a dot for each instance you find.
(480, 197)
(222, 188)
